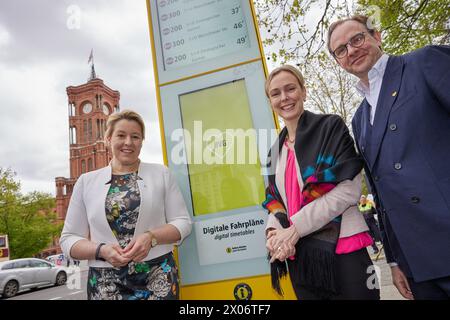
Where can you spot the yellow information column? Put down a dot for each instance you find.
(216, 130)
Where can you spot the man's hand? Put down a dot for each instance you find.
(401, 282)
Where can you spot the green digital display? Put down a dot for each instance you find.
(221, 147)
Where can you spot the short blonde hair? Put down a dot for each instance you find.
(124, 115)
(288, 68)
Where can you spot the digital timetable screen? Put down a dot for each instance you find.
(226, 185)
(193, 31)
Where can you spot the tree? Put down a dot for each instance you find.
(288, 37)
(339, 98)
(29, 221)
(410, 24)
(295, 31)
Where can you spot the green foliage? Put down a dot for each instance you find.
(29, 221)
(286, 27)
(410, 24)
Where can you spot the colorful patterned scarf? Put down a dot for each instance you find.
(326, 156)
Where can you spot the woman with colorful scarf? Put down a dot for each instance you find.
(314, 228)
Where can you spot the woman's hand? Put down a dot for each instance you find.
(283, 252)
(281, 243)
(139, 247)
(113, 253)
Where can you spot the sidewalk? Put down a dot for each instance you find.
(83, 265)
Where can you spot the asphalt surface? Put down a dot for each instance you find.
(74, 289)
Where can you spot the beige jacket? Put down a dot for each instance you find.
(342, 199)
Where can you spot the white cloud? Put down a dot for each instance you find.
(4, 37)
(33, 122)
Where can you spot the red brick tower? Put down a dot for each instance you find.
(90, 104)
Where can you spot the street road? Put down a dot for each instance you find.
(74, 289)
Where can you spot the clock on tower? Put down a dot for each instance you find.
(105, 109)
(87, 108)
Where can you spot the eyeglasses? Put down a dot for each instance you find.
(356, 41)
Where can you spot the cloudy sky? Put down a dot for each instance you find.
(44, 48)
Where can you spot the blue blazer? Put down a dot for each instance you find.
(407, 157)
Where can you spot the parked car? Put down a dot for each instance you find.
(20, 274)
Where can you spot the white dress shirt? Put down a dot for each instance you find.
(372, 92)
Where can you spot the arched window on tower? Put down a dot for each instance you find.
(90, 165)
(73, 135)
(71, 109)
(99, 132)
(90, 129)
(85, 131)
(83, 166)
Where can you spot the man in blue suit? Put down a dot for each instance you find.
(402, 130)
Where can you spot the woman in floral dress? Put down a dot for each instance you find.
(125, 219)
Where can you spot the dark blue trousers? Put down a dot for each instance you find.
(436, 289)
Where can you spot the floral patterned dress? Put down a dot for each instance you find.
(156, 279)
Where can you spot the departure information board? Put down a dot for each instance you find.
(195, 31)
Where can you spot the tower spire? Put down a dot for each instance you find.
(92, 75)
